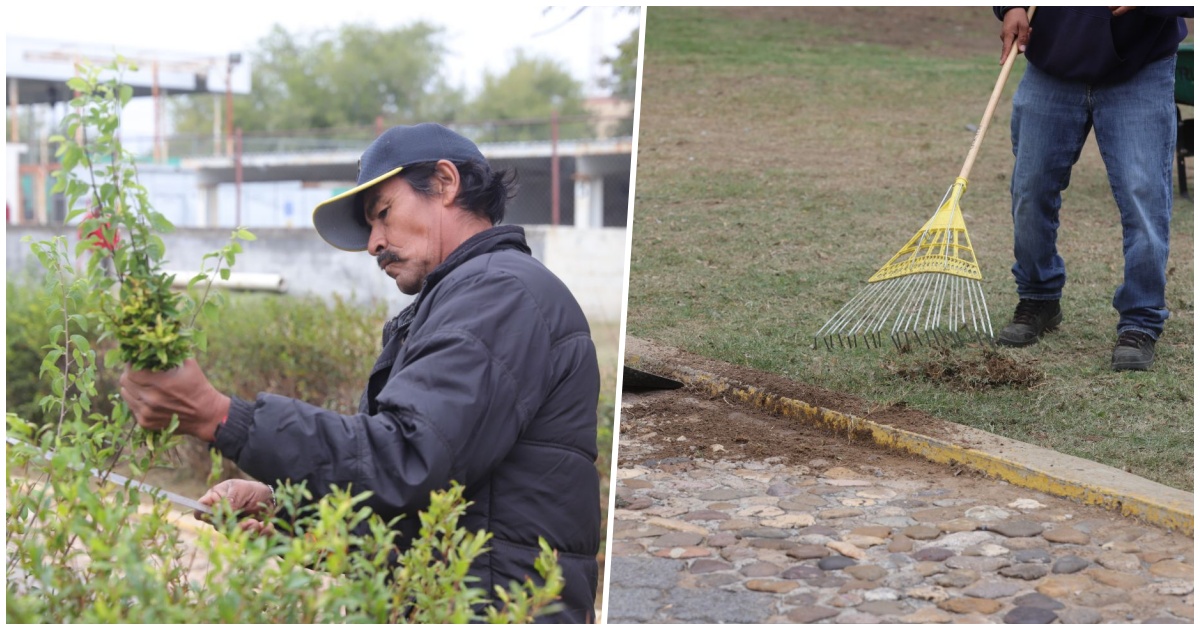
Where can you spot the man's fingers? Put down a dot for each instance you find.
(256, 526)
(136, 406)
(1020, 40)
(1014, 32)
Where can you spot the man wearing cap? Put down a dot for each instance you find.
(488, 378)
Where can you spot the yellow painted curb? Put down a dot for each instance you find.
(1016, 462)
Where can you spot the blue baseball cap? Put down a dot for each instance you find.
(340, 221)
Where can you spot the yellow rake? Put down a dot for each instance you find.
(930, 292)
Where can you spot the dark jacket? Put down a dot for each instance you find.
(1089, 45)
(488, 378)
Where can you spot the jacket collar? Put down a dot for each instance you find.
(493, 239)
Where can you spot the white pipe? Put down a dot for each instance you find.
(269, 282)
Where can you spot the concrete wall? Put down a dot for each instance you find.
(590, 261)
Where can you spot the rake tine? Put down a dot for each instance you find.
(928, 294)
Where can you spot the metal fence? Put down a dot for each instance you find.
(353, 139)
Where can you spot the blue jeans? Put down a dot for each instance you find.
(1135, 131)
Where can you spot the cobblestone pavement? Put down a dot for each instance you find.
(844, 539)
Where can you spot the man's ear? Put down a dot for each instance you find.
(446, 182)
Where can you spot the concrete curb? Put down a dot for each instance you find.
(1016, 462)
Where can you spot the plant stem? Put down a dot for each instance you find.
(207, 287)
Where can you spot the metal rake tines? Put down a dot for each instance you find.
(919, 309)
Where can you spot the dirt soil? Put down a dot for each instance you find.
(682, 424)
(678, 426)
(896, 415)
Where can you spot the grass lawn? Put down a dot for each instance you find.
(777, 172)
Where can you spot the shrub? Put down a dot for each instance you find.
(81, 554)
(301, 347)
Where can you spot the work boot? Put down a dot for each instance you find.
(1134, 351)
(1031, 319)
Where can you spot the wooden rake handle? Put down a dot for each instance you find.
(991, 106)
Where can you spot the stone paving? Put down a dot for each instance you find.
(703, 541)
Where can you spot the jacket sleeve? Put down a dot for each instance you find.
(470, 378)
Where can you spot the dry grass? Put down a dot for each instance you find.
(777, 172)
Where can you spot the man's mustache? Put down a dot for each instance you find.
(386, 258)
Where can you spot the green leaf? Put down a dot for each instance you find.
(160, 223)
(155, 248)
(69, 159)
(245, 235)
(81, 343)
(112, 358)
(196, 279)
(224, 273)
(210, 311)
(78, 84)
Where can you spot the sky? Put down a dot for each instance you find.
(481, 36)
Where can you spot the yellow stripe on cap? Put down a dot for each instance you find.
(339, 212)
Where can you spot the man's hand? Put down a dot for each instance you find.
(251, 500)
(1015, 29)
(154, 397)
(1120, 10)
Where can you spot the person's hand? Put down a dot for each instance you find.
(254, 503)
(1015, 30)
(154, 397)
(1120, 10)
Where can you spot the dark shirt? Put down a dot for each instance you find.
(1089, 45)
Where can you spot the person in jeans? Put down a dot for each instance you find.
(1111, 69)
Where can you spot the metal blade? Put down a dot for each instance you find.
(122, 480)
(177, 499)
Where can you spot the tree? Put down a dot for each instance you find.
(623, 81)
(525, 96)
(342, 78)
